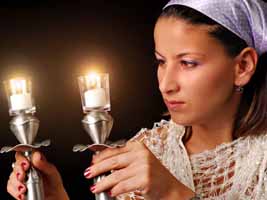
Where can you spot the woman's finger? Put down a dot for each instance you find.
(112, 152)
(109, 152)
(111, 163)
(132, 184)
(113, 179)
(15, 187)
(18, 172)
(22, 161)
(39, 161)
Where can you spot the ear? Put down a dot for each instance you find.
(245, 66)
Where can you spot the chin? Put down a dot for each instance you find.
(182, 121)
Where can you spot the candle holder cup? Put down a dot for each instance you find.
(25, 126)
(94, 91)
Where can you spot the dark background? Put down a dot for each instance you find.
(56, 41)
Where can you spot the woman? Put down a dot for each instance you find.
(212, 76)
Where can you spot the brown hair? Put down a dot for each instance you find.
(251, 118)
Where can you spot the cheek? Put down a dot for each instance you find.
(213, 87)
(205, 95)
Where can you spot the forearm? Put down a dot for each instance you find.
(58, 194)
(180, 192)
(65, 196)
(183, 194)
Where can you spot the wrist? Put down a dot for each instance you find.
(182, 192)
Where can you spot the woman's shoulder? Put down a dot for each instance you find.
(253, 150)
(257, 144)
(256, 141)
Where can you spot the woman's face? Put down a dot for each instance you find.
(195, 74)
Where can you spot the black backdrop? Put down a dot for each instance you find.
(54, 42)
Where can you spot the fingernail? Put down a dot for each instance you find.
(20, 188)
(110, 193)
(21, 196)
(87, 172)
(18, 175)
(92, 188)
(23, 165)
(87, 169)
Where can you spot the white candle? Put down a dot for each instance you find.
(20, 101)
(95, 98)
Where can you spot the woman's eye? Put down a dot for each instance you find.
(159, 62)
(189, 64)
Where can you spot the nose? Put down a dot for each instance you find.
(168, 80)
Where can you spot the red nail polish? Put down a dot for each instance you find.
(18, 175)
(87, 175)
(87, 169)
(23, 165)
(110, 193)
(20, 188)
(20, 196)
(92, 188)
(87, 172)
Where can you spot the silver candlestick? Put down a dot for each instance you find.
(97, 122)
(98, 126)
(25, 126)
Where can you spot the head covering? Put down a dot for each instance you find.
(246, 18)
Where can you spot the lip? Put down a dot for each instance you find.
(174, 105)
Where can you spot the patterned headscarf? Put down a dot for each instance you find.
(246, 18)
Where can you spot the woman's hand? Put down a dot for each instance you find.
(136, 168)
(53, 186)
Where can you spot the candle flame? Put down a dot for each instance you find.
(18, 86)
(93, 80)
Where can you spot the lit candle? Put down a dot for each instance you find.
(95, 95)
(20, 101)
(20, 98)
(95, 98)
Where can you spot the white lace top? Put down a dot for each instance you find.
(232, 171)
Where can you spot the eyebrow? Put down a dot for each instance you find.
(179, 55)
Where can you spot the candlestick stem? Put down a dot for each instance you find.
(98, 125)
(25, 127)
(34, 182)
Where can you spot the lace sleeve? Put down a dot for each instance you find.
(154, 139)
(257, 188)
